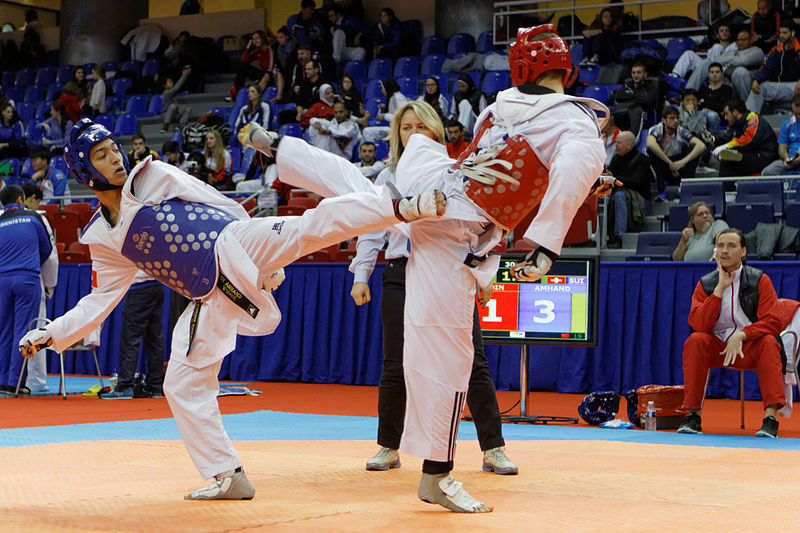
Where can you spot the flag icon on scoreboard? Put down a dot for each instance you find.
(556, 280)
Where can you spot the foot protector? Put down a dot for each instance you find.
(449, 493)
(232, 485)
(255, 136)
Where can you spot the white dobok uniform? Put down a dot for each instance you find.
(247, 251)
(440, 288)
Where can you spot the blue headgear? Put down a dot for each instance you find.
(599, 407)
(632, 397)
(84, 135)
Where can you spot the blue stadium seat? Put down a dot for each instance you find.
(381, 150)
(600, 93)
(8, 78)
(132, 66)
(373, 89)
(485, 42)
(379, 69)
(42, 111)
(87, 68)
(433, 44)
(126, 125)
(25, 166)
(493, 81)
(137, 105)
(14, 93)
(121, 86)
(26, 111)
(793, 213)
(221, 111)
(655, 246)
(52, 89)
(750, 192)
(676, 46)
(156, 105)
(292, 129)
(371, 105)
(64, 74)
(45, 76)
(236, 159)
(576, 54)
(25, 77)
(460, 43)
(744, 217)
(176, 136)
(432, 64)
(589, 74)
(710, 193)
(241, 97)
(270, 93)
(106, 120)
(409, 86)
(114, 104)
(356, 68)
(33, 94)
(150, 68)
(33, 134)
(406, 66)
(110, 66)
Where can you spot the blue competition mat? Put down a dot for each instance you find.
(272, 425)
(79, 384)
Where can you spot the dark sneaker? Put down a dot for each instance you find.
(769, 428)
(119, 394)
(691, 425)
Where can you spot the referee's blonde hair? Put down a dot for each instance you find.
(426, 114)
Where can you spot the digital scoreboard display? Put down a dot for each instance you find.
(558, 309)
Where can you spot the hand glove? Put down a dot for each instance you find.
(274, 280)
(716, 151)
(33, 341)
(535, 265)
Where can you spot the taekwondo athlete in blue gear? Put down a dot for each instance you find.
(162, 221)
(24, 246)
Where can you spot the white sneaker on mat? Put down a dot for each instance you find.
(496, 460)
(232, 485)
(385, 459)
(449, 493)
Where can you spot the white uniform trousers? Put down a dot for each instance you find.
(37, 365)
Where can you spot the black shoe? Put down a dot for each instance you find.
(691, 425)
(769, 428)
(10, 390)
(614, 242)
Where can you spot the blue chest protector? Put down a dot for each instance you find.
(174, 243)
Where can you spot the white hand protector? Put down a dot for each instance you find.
(605, 185)
(274, 280)
(535, 265)
(33, 341)
(718, 149)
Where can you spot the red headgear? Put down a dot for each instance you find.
(529, 59)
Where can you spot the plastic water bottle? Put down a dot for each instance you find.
(650, 417)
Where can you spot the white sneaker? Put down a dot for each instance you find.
(427, 204)
(385, 459)
(232, 485)
(449, 493)
(496, 460)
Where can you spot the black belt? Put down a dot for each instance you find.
(402, 260)
(236, 296)
(473, 261)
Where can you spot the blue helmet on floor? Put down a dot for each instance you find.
(599, 407)
(83, 136)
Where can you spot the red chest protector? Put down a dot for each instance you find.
(506, 185)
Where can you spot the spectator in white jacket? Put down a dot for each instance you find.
(337, 135)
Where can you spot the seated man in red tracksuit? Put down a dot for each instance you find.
(735, 321)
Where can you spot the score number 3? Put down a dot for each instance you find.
(545, 313)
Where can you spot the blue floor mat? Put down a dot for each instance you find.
(273, 425)
(79, 384)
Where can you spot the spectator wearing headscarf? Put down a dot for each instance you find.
(467, 103)
(433, 95)
(395, 98)
(323, 108)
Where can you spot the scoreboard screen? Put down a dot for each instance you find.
(558, 309)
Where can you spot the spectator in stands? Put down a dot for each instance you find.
(746, 55)
(748, 145)
(697, 238)
(691, 118)
(788, 161)
(322, 108)
(467, 102)
(12, 134)
(56, 128)
(307, 29)
(689, 60)
(433, 95)
(602, 40)
(713, 97)
(610, 134)
(97, 101)
(140, 150)
(308, 91)
(395, 98)
(456, 143)
(31, 51)
(628, 201)
(369, 164)
(191, 7)
(24, 246)
(351, 96)
(674, 152)
(75, 93)
(196, 166)
(31, 20)
(345, 38)
(174, 156)
(387, 36)
(637, 97)
(735, 322)
(338, 135)
(50, 179)
(254, 111)
(174, 114)
(710, 10)
(218, 162)
(777, 80)
(258, 63)
(765, 25)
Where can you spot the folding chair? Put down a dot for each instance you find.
(77, 347)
